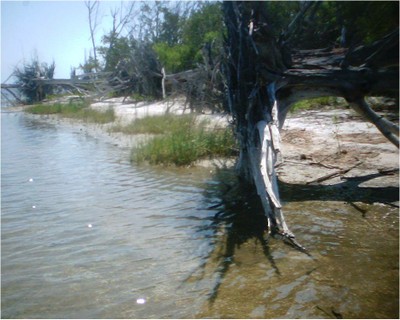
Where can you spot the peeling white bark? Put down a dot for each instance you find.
(263, 157)
(266, 179)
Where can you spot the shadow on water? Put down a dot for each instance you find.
(239, 216)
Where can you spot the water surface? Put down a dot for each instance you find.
(85, 234)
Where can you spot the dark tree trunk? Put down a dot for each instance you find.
(263, 80)
(255, 63)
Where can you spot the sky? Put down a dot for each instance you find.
(51, 30)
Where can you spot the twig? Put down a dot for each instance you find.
(325, 165)
(334, 174)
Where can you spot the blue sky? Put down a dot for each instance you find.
(50, 30)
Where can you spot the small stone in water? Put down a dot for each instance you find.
(89, 225)
(140, 301)
(33, 207)
(30, 180)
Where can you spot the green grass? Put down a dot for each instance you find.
(315, 103)
(183, 141)
(158, 124)
(75, 110)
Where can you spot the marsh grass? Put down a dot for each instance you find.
(159, 124)
(75, 110)
(181, 140)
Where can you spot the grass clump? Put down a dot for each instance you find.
(91, 115)
(184, 141)
(75, 110)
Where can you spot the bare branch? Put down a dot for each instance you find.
(121, 17)
(93, 24)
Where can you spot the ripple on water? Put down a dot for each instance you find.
(152, 238)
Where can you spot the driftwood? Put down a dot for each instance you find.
(83, 84)
(196, 84)
(334, 174)
(263, 81)
(201, 87)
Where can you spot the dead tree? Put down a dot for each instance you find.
(93, 8)
(263, 79)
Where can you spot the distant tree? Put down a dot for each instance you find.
(33, 90)
(149, 20)
(171, 28)
(367, 21)
(116, 49)
(333, 23)
(174, 58)
(203, 26)
(90, 65)
(112, 40)
(182, 38)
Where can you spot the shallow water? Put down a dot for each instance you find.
(85, 235)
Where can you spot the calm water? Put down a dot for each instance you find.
(85, 234)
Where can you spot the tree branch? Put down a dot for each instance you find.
(387, 128)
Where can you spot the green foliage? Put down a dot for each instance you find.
(174, 58)
(179, 49)
(368, 21)
(94, 116)
(364, 22)
(74, 110)
(158, 124)
(201, 23)
(316, 103)
(115, 49)
(26, 75)
(183, 140)
(171, 28)
(90, 65)
(56, 108)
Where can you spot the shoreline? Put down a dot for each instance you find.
(125, 113)
(315, 143)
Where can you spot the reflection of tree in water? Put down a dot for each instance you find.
(239, 216)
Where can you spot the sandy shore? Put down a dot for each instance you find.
(318, 143)
(315, 143)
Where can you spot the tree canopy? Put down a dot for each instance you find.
(178, 33)
(178, 36)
